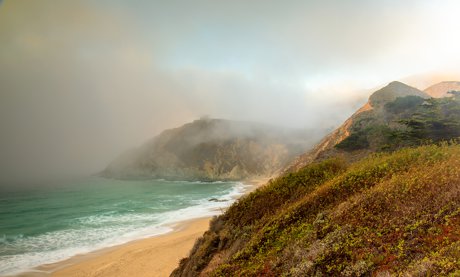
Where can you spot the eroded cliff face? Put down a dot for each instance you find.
(211, 149)
(326, 145)
(372, 109)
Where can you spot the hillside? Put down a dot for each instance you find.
(395, 116)
(379, 196)
(387, 215)
(211, 149)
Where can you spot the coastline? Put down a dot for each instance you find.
(154, 256)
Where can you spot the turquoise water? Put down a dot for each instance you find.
(46, 225)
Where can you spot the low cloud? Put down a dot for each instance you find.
(82, 81)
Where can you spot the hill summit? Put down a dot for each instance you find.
(392, 91)
(394, 117)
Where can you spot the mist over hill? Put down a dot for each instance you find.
(395, 116)
(212, 149)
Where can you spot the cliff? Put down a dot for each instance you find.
(211, 149)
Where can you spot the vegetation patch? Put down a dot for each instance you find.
(405, 122)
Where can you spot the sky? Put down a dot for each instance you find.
(82, 81)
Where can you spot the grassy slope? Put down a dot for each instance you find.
(388, 213)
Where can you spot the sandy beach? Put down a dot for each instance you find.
(156, 256)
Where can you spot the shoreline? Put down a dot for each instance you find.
(154, 256)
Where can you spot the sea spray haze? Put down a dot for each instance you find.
(50, 223)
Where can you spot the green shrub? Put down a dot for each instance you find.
(403, 104)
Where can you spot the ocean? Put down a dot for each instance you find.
(47, 224)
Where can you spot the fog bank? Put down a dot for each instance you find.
(81, 81)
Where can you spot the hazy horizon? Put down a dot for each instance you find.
(83, 81)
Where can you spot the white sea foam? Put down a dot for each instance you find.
(105, 230)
